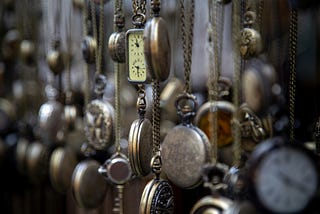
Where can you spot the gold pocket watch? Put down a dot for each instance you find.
(116, 46)
(212, 205)
(185, 148)
(157, 196)
(224, 111)
(62, 164)
(250, 43)
(140, 146)
(99, 118)
(282, 177)
(88, 186)
(50, 118)
(259, 86)
(157, 48)
(37, 161)
(55, 58)
(89, 48)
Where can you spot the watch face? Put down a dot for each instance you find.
(286, 180)
(135, 56)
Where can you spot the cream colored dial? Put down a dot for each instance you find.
(135, 56)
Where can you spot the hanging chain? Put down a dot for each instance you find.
(101, 37)
(139, 6)
(57, 24)
(118, 69)
(156, 117)
(236, 24)
(260, 15)
(215, 30)
(69, 54)
(293, 38)
(85, 65)
(187, 38)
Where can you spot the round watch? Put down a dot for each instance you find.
(259, 88)
(282, 177)
(116, 46)
(250, 43)
(88, 186)
(62, 163)
(89, 47)
(140, 146)
(185, 140)
(157, 49)
(212, 205)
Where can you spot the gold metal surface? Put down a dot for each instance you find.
(250, 43)
(157, 48)
(88, 186)
(116, 46)
(211, 205)
(62, 164)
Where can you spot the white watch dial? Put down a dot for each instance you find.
(286, 180)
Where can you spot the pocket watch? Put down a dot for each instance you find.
(116, 46)
(137, 72)
(212, 205)
(89, 48)
(99, 118)
(157, 197)
(21, 155)
(282, 177)
(88, 186)
(157, 48)
(50, 118)
(37, 162)
(250, 43)
(140, 146)
(259, 86)
(62, 164)
(185, 148)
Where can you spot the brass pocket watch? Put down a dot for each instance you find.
(99, 118)
(140, 146)
(212, 205)
(116, 46)
(89, 48)
(224, 111)
(37, 161)
(259, 86)
(50, 118)
(62, 164)
(186, 148)
(88, 186)
(21, 155)
(157, 197)
(282, 177)
(157, 48)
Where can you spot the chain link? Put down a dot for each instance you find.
(293, 38)
(236, 24)
(139, 6)
(187, 37)
(86, 81)
(156, 117)
(101, 37)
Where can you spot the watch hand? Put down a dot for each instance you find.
(290, 182)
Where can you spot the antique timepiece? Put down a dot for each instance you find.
(259, 86)
(99, 112)
(135, 56)
(250, 44)
(61, 166)
(185, 140)
(157, 48)
(51, 117)
(135, 60)
(88, 186)
(282, 177)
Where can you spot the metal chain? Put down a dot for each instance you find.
(236, 24)
(85, 65)
(139, 6)
(293, 38)
(94, 30)
(118, 15)
(156, 117)
(260, 15)
(187, 38)
(117, 106)
(101, 37)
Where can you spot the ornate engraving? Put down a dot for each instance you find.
(99, 124)
(250, 43)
